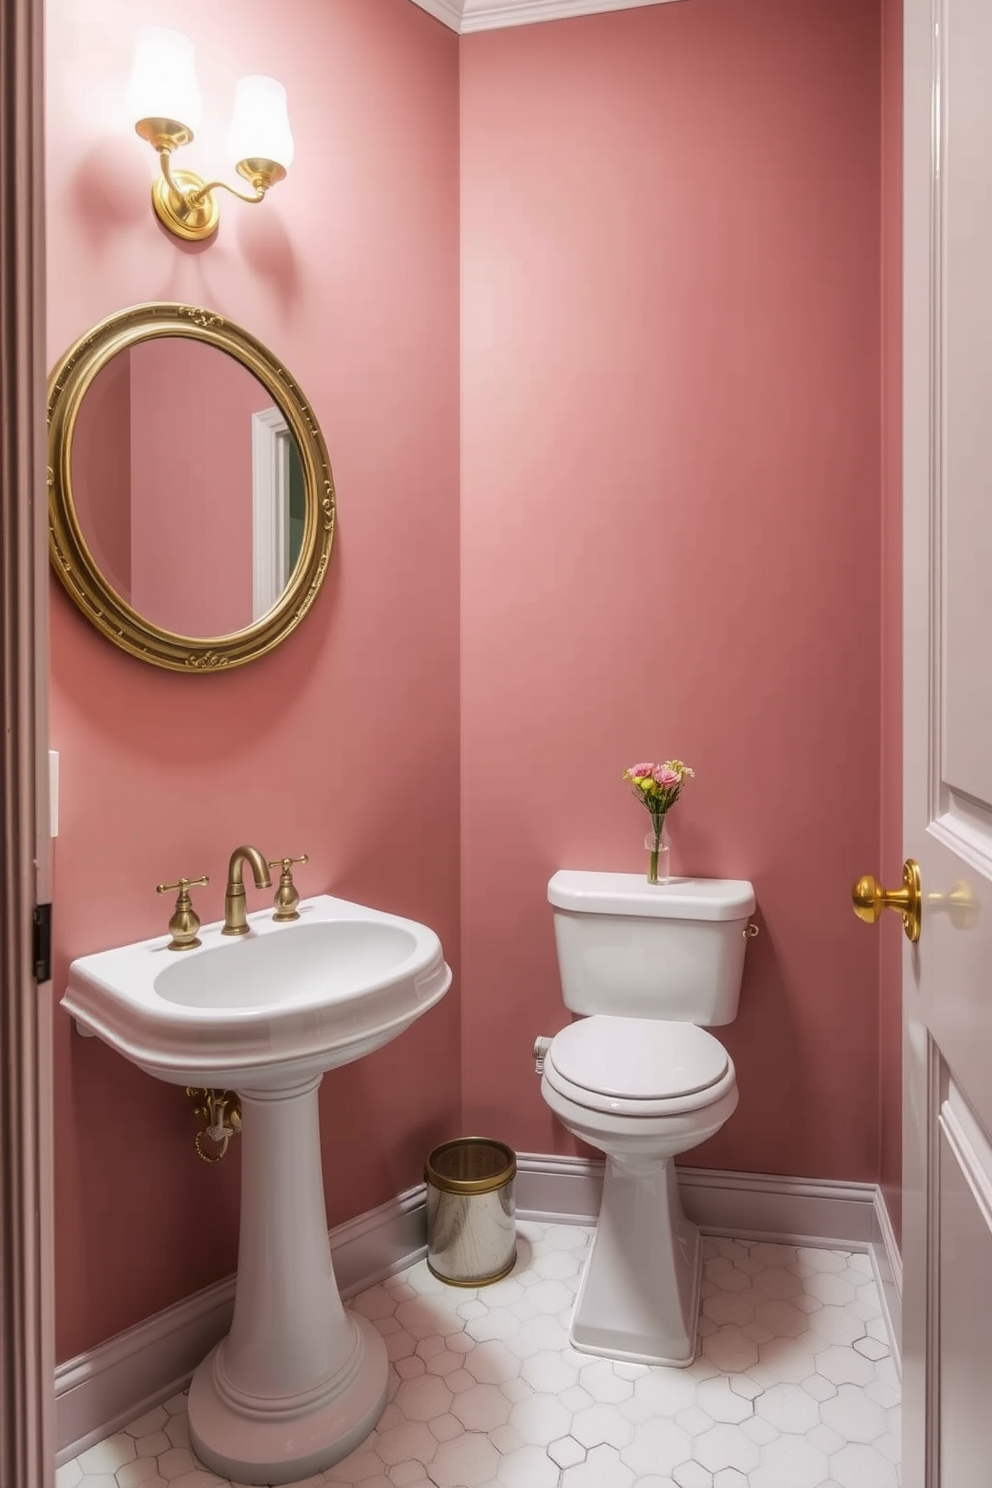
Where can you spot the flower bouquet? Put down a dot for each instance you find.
(658, 787)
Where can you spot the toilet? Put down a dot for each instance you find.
(638, 1077)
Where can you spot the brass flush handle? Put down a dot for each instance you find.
(287, 894)
(185, 921)
(870, 899)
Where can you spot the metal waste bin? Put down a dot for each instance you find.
(471, 1231)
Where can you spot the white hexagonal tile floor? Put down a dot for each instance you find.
(792, 1386)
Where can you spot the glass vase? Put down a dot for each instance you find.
(656, 843)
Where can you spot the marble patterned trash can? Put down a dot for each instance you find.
(471, 1228)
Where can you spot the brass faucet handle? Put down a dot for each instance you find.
(185, 921)
(287, 894)
(183, 885)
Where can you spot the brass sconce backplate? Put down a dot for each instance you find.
(179, 208)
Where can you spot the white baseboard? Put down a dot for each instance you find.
(750, 1206)
(762, 1206)
(100, 1391)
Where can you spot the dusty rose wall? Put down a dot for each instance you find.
(101, 465)
(891, 946)
(672, 435)
(191, 476)
(670, 525)
(344, 742)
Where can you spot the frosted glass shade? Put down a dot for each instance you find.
(260, 126)
(163, 79)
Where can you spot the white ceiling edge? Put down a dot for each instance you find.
(464, 16)
(448, 11)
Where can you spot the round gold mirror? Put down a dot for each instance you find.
(191, 502)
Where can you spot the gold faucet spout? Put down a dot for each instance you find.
(235, 918)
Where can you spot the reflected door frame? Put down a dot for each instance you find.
(270, 438)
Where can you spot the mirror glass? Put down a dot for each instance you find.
(188, 486)
(191, 504)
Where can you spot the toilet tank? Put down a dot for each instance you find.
(637, 950)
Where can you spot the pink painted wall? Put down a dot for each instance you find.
(890, 946)
(101, 469)
(191, 474)
(344, 742)
(671, 541)
(670, 525)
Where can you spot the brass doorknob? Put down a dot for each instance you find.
(870, 899)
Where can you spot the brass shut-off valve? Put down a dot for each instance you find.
(287, 894)
(185, 921)
(221, 1111)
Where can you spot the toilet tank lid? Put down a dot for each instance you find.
(631, 894)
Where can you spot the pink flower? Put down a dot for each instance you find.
(665, 776)
(636, 770)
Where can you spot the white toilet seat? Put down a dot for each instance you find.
(638, 1067)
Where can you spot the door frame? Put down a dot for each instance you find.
(917, 412)
(270, 438)
(924, 1079)
(26, 1089)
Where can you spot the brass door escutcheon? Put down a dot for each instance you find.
(870, 899)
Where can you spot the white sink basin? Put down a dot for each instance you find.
(260, 1010)
(299, 1382)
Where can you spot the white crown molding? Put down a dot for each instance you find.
(465, 16)
(102, 1390)
(448, 11)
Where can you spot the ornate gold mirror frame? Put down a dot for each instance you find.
(71, 557)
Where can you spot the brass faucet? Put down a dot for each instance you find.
(235, 920)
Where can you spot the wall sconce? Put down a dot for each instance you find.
(164, 100)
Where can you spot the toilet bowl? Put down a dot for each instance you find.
(643, 1086)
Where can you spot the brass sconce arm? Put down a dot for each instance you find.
(187, 205)
(261, 173)
(197, 197)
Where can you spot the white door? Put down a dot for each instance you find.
(947, 977)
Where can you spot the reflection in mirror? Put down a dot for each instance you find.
(278, 508)
(188, 486)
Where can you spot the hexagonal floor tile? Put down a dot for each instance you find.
(789, 1407)
(792, 1387)
(601, 1469)
(718, 1400)
(725, 1446)
(466, 1462)
(540, 1419)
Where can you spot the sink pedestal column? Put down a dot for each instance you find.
(298, 1383)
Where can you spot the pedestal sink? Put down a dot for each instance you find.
(298, 1382)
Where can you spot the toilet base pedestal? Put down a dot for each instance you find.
(639, 1296)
